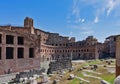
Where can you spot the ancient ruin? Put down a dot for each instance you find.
(61, 63)
(118, 55)
(25, 48)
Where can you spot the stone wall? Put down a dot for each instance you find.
(118, 56)
(61, 63)
(46, 45)
(18, 62)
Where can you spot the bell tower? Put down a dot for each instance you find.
(28, 22)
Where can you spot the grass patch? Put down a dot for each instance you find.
(74, 81)
(109, 77)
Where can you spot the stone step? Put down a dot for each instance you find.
(7, 78)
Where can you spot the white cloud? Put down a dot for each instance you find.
(83, 20)
(71, 33)
(111, 5)
(74, 15)
(108, 6)
(87, 32)
(96, 20)
(102, 7)
(76, 9)
(68, 21)
(79, 20)
(101, 10)
(74, 26)
(85, 29)
(90, 1)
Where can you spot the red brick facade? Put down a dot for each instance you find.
(10, 50)
(117, 55)
(27, 46)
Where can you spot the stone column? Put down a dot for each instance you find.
(117, 55)
(4, 47)
(96, 52)
(26, 52)
(4, 52)
(15, 47)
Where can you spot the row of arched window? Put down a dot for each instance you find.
(64, 51)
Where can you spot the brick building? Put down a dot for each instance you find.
(23, 48)
(19, 48)
(111, 45)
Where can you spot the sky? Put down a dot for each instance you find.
(73, 18)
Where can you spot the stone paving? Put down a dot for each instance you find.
(91, 76)
(77, 61)
(111, 70)
(91, 71)
(7, 78)
(82, 79)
